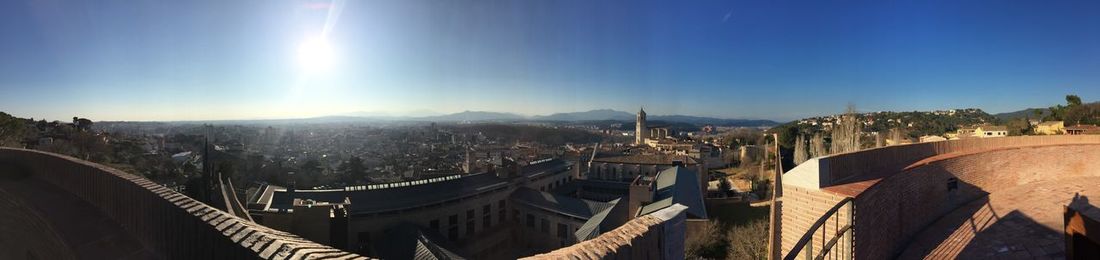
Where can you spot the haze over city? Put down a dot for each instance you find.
(549, 129)
(201, 60)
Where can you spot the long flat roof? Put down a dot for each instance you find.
(411, 195)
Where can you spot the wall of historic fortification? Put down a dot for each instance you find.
(890, 213)
(879, 162)
(166, 223)
(898, 190)
(799, 209)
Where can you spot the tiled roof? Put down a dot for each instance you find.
(658, 159)
(994, 128)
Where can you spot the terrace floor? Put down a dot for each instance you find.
(1022, 222)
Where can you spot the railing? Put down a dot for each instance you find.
(816, 243)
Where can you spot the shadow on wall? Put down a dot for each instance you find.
(878, 162)
(13, 171)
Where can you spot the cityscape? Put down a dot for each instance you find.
(330, 129)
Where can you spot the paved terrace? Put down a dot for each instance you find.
(980, 198)
(1023, 222)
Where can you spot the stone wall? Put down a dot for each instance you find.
(166, 223)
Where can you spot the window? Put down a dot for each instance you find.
(469, 214)
(453, 220)
(530, 221)
(470, 228)
(486, 216)
(501, 211)
(545, 226)
(563, 231)
(364, 238)
(435, 225)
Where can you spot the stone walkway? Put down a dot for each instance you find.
(1023, 222)
(87, 232)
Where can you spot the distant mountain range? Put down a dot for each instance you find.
(1026, 113)
(592, 115)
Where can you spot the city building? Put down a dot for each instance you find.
(932, 138)
(1050, 128)
(641, 131)
(511, 211)
(625, 168)
(1083, 130)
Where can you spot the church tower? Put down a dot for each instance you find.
(640, 130)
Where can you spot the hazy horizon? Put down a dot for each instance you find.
(212, 60)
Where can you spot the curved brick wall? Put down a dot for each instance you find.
(165, 223)
(898, 207)
(900, 190)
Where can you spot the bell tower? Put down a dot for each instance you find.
(640, 130)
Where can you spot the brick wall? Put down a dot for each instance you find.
(799, 209)
(166, 223)
(911, 191)
(890, 213)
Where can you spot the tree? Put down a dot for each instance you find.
(749, 241)
(352, 171)
(1073, 100)
(706, 242)
(846, 133)
(897, 135)
(800, 152)
(817, 146)
(12, 130)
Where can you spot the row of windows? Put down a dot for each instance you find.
(544, 227)
(471, 226)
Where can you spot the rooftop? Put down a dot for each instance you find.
(677, 185)
(655, 159)
(405, 195)
(571, 206)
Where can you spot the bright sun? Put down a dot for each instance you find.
(315, 55)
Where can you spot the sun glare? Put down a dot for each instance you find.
(315, 55)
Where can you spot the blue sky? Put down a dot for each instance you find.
(187, 60)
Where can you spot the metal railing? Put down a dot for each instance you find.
(817, 243)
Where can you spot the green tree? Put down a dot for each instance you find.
(12, 130)
(352, 171)
(1073, 100)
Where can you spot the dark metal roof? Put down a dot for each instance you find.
(677, 185)
(409, 241)
(571, 206)
(413, 194)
